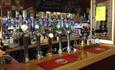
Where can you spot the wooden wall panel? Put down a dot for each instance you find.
(114, 23)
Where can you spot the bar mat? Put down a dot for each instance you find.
(48, 65)
(98, 49)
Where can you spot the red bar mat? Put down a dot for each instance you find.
(98, 49)
(48, 65)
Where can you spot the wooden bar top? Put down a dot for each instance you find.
(87, 59)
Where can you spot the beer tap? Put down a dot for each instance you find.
(59, 27)
(24, 28)
(68, 42)
(50, 37)
(38, 48)
(68, 31)
(82, 38)
(93, 36)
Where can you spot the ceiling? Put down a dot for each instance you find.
(61, 5)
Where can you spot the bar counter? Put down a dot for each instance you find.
(87, 58)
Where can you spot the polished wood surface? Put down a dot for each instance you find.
(1, 53)
(114, 21)
(87, 59)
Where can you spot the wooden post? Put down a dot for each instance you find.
(113, 21)
(92, 15)
(0, 28)
(1, 22)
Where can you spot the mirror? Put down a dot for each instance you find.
(103, 19)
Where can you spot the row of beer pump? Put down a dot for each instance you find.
(50, 37)
(37, 30)
(59, 26)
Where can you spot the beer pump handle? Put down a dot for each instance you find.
(88, 42)
(82, 43)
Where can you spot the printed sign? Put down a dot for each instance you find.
(101, 13)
